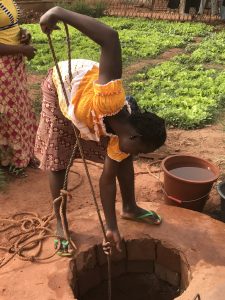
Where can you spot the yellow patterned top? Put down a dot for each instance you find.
(90, 102)
(9, 28)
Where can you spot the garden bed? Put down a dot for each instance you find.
(183, 90)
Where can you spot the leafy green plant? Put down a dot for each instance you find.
(211, 50)
(187, 96)
(182, 90)
(139, 39)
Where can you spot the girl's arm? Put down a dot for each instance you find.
(108, 197)
(103, 35)
(25, 50)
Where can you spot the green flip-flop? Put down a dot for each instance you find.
(156, 219)
(18, 172)
(63, 248)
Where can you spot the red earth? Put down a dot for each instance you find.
(32, 194)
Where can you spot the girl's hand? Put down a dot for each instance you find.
(25, 36)
(49, 20)
(107, 247)
(28, 51)
(114, 240)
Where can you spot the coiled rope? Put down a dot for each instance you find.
(31, 231)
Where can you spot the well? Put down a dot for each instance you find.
(184, 255)
(145, 270)
(134, 286)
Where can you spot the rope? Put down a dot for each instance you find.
(69, 52)
(29, 226)
(78, 144)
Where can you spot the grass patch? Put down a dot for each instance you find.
(182, 90)
(186, 95)
(211, 50)
(139, 39)
(37, 105)
(2, 180)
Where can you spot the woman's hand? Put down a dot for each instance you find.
(113, 240)
(29, 51)
(49, 20)
(25, 36)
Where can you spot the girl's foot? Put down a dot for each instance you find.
(139, 214)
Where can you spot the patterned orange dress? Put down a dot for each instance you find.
(17, 119)
(89, 104)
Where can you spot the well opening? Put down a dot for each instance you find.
(145, 270)
(142, 286)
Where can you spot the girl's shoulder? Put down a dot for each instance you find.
(78, 67)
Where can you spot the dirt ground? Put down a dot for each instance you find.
(32, 193)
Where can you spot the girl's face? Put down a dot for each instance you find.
(134, 145)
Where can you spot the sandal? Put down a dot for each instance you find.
(63, 248)
(155, 218)
(18, 172)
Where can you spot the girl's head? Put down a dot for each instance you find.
(149, 133)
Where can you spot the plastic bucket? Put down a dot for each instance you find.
(221, 191)
(191, 194)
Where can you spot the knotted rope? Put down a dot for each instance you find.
(79, 146)
(31, 230)
(28, 226)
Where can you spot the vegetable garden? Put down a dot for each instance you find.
(188, 90)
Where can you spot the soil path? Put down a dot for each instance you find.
(139, 65)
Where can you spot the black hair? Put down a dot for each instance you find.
(151, 128)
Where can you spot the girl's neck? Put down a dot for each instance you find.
(119, 123)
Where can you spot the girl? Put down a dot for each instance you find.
(97, 108)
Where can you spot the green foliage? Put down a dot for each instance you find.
(182, 91)
(211, 50)
(186, 95)
(139, 39)
(95, 9)
(37, 105)
(2, 180)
